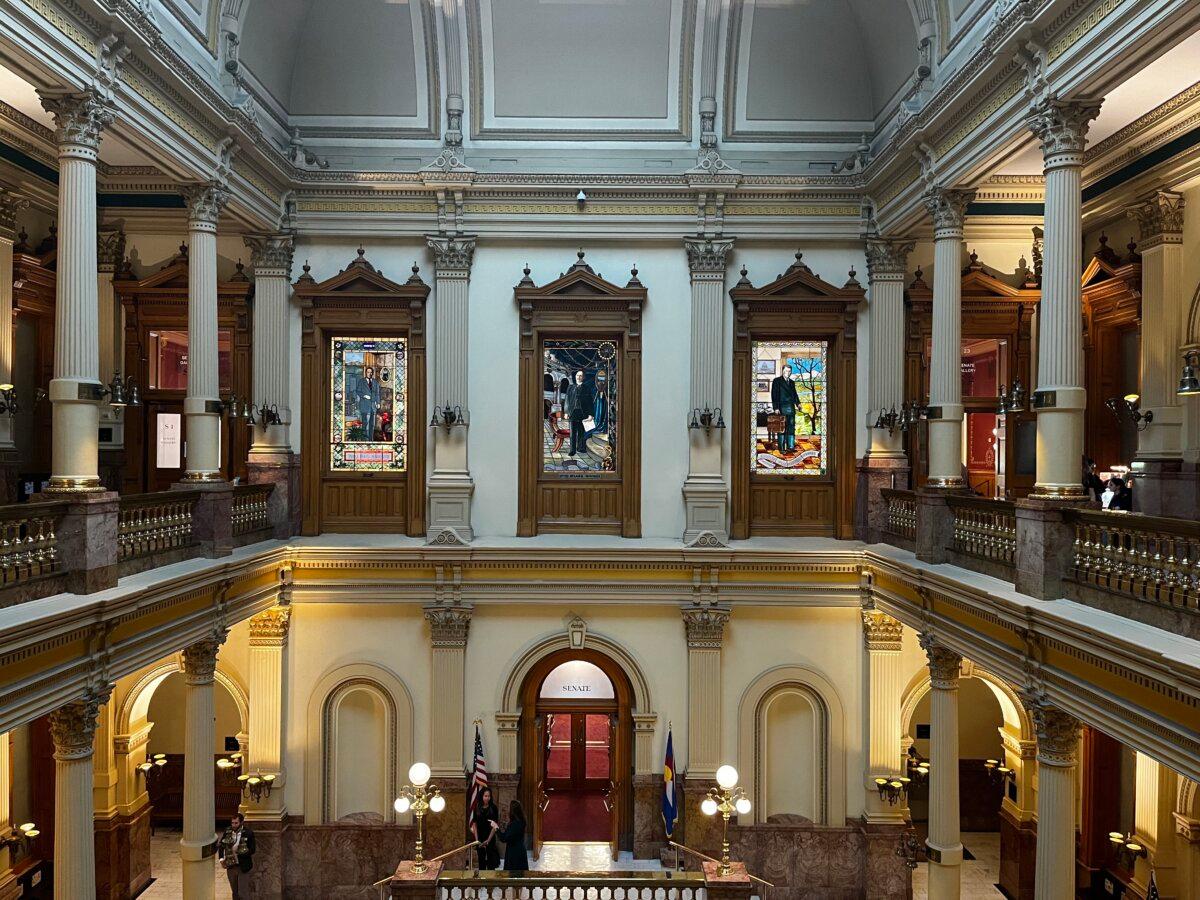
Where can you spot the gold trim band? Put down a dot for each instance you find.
(944, 481)
(66, 484)
(206, 477)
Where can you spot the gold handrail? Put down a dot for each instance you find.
(717, 861)
(452, 852)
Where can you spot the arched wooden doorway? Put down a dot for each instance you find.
(560, 736)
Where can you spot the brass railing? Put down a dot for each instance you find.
(901, 519)
(984, 529)
(153, 523)
(29, 541)
(1146, 557)
(250, 507)
(638, 885)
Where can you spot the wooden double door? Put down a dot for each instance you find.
(579, 750)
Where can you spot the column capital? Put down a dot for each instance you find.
(271, 254)
(451, 255)
(200, 661)
(10, 204)
(707, 255)
(205, 200)
(1159, 219)
(73, 725)
(881, 631)
(948, 207)
(1061, 126)
(79, 117)
(944, 664)
(887, 259)
(270, 627)
(705, 626)
(449, 625)
(1057, 731)
(110, 250)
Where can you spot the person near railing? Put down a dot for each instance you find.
(513, 836)
(484, 829)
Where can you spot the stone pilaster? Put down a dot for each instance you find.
(73, 730)
(450, 482)
(449, 627)
(196, 847)
(1156, 794)
(705, 492)
(948, 209)
(882, 642)
(1059, 401)
(201, 406)
(268, 649)
(1058, 747)
(79, 117)
(944, 844)
(9, 889)
(704, 627)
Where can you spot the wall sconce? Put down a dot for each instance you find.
(448, 417)
(580, 199)
(421, 797)
(998, 773)
(706, 418)
(1189, 384)
(268, 414)
(8, 400)
(230, 408)
(889, 419)
(122, 391)
(153, 765)
(256, 785)
(232, 761)
(909, 849)
(1013, 401)
(918, 768)
(727, 798)
(893, 790)
(1129, 407)
(1127, 847)
(21, 836)
(911, 413)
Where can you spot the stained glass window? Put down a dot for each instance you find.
(789, 404)
(368, 404)
(579, 406)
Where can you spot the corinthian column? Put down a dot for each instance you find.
(705, 629)
(196, 847)
(1061, 126)
(948, 208)
(80, 116)
(73, 729)
(449, 627)
(1058, 744)
(882, 641)
(705, 493)
(450, 483)
(202, 405)
(944, 844)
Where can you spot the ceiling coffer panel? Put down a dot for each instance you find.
(581, 69)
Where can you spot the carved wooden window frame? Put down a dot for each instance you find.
(360, 302)
(578, 305)
(797, 305)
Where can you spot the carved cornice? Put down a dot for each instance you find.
(705, 626)
(270, 627)
(887, 259)
(706, 255)
(10, 204)
(205, 201)
(949, 210)
(271, 254)
(200, 662)
(449, 625)
(1159, 219)
(451, 254)
(944, 664)
(881, 631)
(110, 250)
(79, 117)
(73, 725)
(1057, 731)
(1061, 126)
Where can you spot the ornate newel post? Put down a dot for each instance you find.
(705, 492)
(1044, 541)
(944, 844)
(10, 204)
(1058, 746)
(450, 483)
(1161, 486)
(273, 459)
(882, 642)
(704, 627)
(197, 846)
(73, 729)
(885, 464)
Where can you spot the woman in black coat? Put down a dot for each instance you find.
(483, 826)
(513, 835)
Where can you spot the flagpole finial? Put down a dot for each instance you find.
(477, 722)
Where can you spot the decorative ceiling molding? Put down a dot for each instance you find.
(206, 33)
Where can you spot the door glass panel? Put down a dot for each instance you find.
(558, 756)
(596, 751)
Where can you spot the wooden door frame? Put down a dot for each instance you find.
(34, 298)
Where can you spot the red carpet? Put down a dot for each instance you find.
(576, 817)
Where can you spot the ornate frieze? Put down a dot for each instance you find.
(944, 664)
(1159, 219)
(448, 625)
(10, 204)
(79, 116)
(73, 725)
(705, 626)
(1057, 731)
(271, 254)
(706, 255)
(205, 201)
(949, 210)
(110, 250)
(881, 631)
(270, 627)
(200, 661)
(451, 254)
(1061, 126)
(887, 259)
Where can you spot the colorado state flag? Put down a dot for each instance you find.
(669, 809)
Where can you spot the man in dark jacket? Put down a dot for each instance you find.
(236, 853)
(785, 401)
(578, 406)
(368, 401)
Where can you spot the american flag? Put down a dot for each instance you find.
(479, 779)
(1152, 891)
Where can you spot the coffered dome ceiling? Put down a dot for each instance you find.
(788, 70)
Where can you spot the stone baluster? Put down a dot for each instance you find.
(882, 641)
(1058, 748)
(944, 844)
(197, 846)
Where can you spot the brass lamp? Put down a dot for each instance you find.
(1127, 847)
(153, 765)
(421, 797)
(998, 772)
(22, 835)
(1189, 384)
(727, 798)
(8, 400)
(918, 767)
(893, 790)
(256, 785)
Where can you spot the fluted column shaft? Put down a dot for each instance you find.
(74, 390)
(268, 646)
(73, 729)
(449, 627)
(8, 887)
(1060, 398)
(9, 205)
(199, 768)
(1156, 795)
(885, 378)
(271, 256)
(705, 630)
(944, 841)
(882, 641)
(1058, 747)
(948, 208)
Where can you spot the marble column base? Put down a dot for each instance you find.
(935, 525)
(1045, 547)
(212, 517)
(123, 855)
(1018, 855)
(706, 506)
(1165, 487)
(266, 878)
(875, 474)
(285, 507)
(450, 508)
(87, 540)
(649, 833)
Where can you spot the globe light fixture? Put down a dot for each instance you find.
(727, 799)
(421, 797)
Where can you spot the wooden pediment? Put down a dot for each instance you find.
(580, 281)
(1107, 264)
(170, 283)
(978, 286)
(799, 282)
(361, 280)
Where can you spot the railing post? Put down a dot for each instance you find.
(1045, 547)
(407, 885)
(935, 526)
(212, 517)
(87, 540)
(734, 886)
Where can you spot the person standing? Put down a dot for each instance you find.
(785, 401)
(577, 406)
(483, 828)
(368, 401)
(513, 835)
(236, 849)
